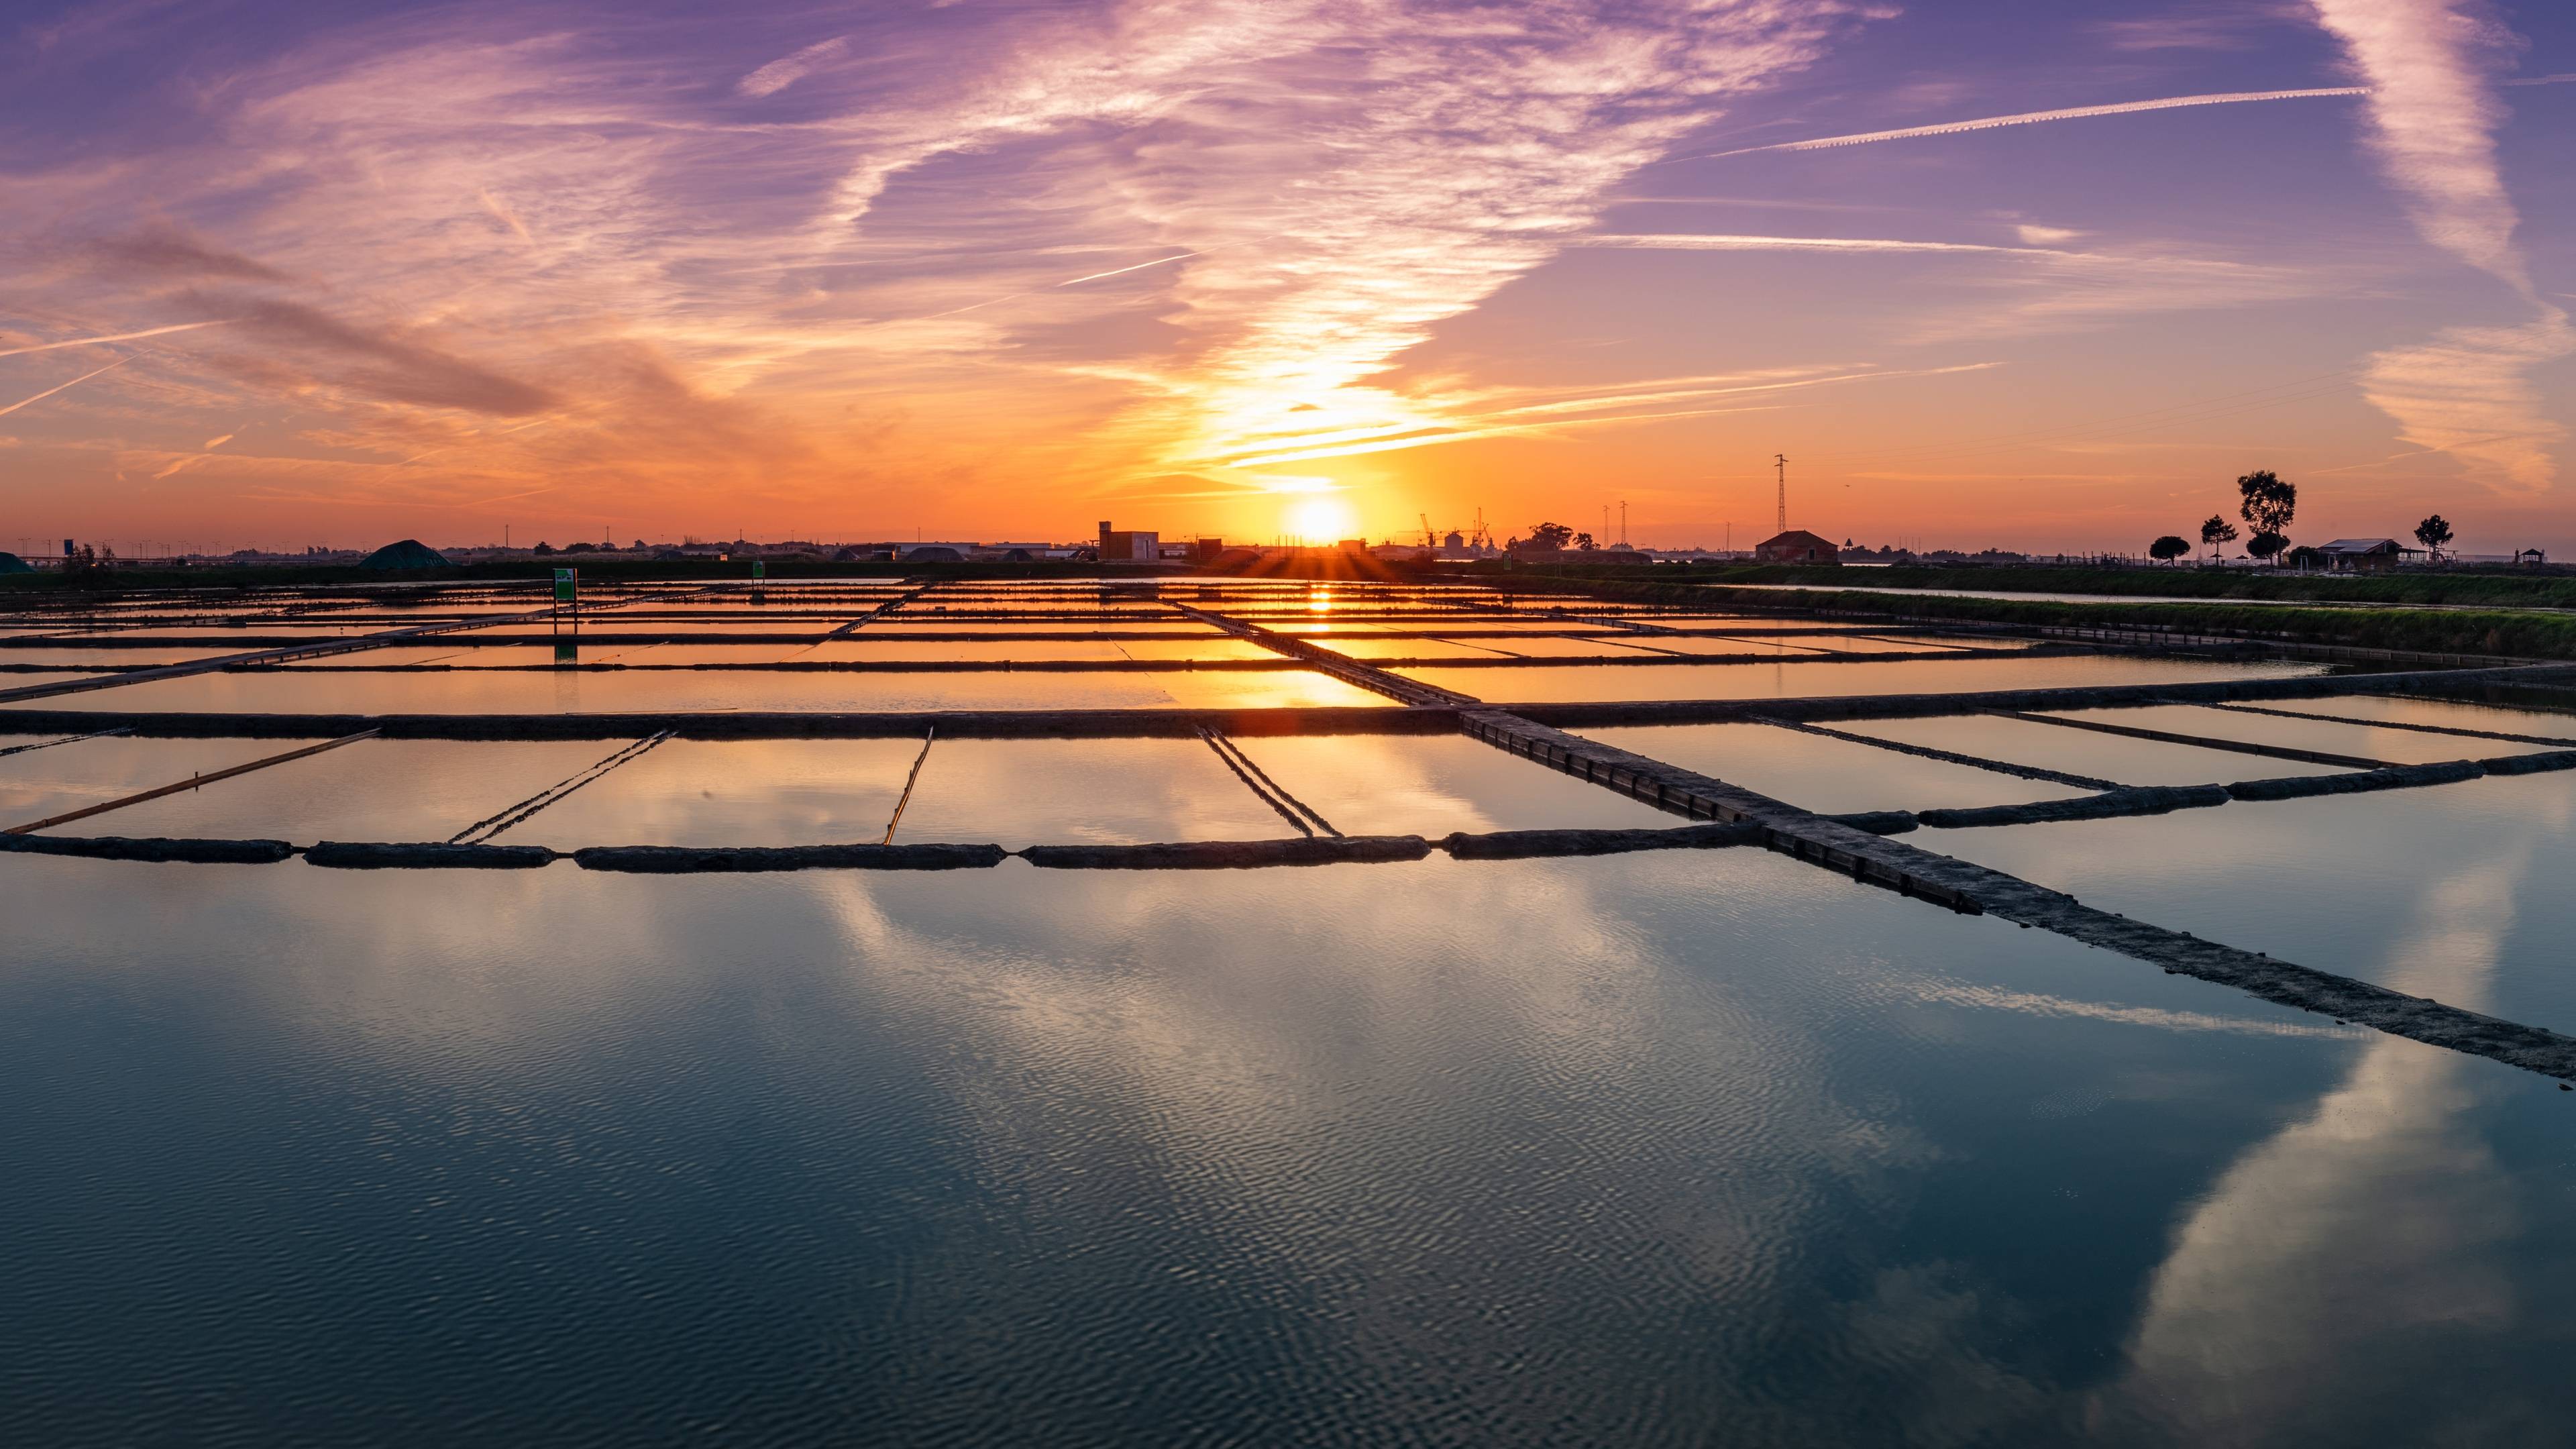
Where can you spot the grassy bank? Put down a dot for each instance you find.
(2430, 631)
(2503, 588)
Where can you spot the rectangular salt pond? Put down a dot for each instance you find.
(37, 784)
(2447, 714)
(1656, 1124)
(1038, 792)
(1081, 792)
(398, 790)
(897, 628)
(731, 792)
(2456, 892)
(113, 658)
(473, 691)
(1431, 785)
(1362, 648)
(862, 647)
(2395, 747)
(1803, 680)
(1826, 775)
(2081, 752)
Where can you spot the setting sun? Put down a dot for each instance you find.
(1320, 520)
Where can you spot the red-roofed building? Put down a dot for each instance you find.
(1796, 546)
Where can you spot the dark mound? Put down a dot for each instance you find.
(411, 553)
(10, 563)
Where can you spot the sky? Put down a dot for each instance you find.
(1988, 273)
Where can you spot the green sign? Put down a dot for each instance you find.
(563, 586)
(759, 570)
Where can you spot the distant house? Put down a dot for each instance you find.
(1537, 554)
(2358, 555)
(1797, 546)
(1129, 545)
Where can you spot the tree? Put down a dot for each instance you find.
(2433, 532)
(2216, 532)
(1584, 542)
(1550, 535)
(2267, 502)
(2168, 548)
(543, 549)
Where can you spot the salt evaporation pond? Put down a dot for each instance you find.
(1675, 1147)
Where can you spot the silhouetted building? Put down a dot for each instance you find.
(1127, 545)
(2358, 555)
(1797, 546)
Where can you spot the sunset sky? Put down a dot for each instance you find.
(344, 273)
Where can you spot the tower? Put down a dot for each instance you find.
(1781, 462)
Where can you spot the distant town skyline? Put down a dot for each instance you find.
(1989, 275)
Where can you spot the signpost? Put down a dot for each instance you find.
(567, 594)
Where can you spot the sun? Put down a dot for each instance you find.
(1320, 520)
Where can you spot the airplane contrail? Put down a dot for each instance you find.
(1067, 282)
(49, 392)
(2074, 113)
(2030, 118)
(1140, 266)
(117, 337)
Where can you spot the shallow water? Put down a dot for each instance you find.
(1802, 680)
(1661, 1149)
(1826, 775)
(2081, 752)
(2395, 747)
(1679, 1147)
(573, 691)
(2384, 886)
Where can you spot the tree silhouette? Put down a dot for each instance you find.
(1550, 535)
(2168, 548)
(1583, 541)
(2433, 532)
(2267, 502)
(2215, 532)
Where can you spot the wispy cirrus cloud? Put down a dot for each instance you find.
(2433, 113)
(786, 71)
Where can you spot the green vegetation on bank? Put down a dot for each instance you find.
(2429, 631)
(2501, 587)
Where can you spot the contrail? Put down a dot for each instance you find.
(1140, 266)
(1700, 242)
(118, 337)
(2032, 118)
(2073, 113)
(49, 392)
(1070, 281)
